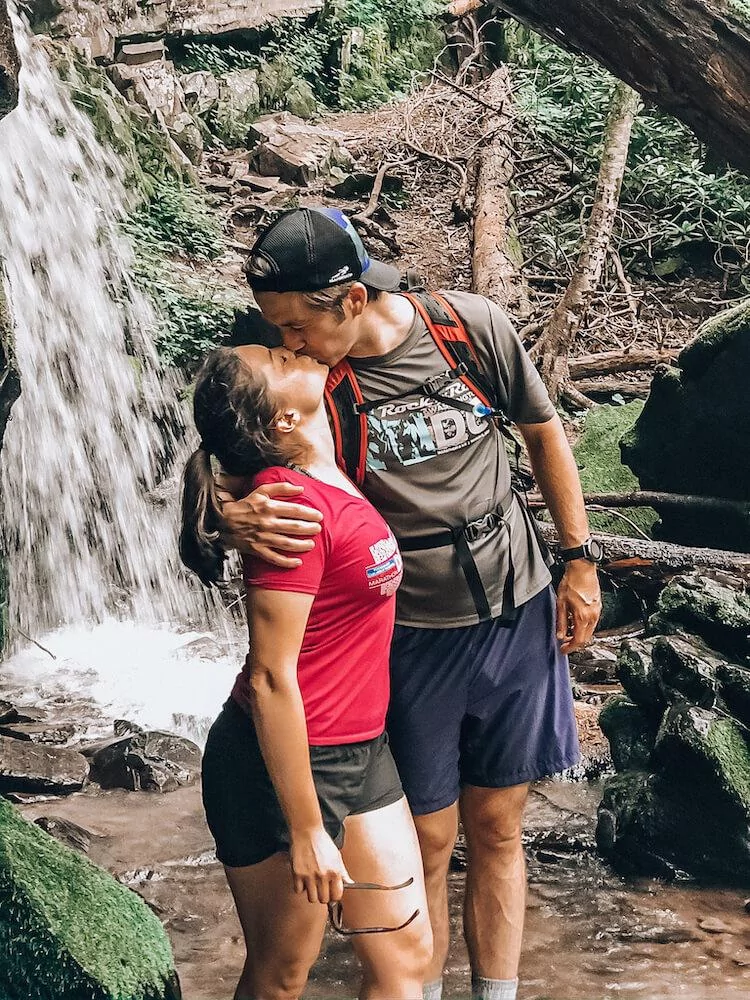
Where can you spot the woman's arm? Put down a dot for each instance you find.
(277, 621)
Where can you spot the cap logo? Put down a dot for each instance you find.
(342, 274)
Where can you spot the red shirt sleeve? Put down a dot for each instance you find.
(303, 579)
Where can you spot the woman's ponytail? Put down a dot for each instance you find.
(200, 546)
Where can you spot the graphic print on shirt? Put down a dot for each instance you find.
(387, 569)
(416, 429)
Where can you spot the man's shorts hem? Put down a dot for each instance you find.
(534, 773)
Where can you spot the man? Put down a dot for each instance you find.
(481, 702)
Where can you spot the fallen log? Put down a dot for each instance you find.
(653, 498)
(496, 259)
(601, 388)
(690, 57)
(664, 555)
(590, 365)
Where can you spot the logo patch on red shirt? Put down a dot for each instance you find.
(387, 570)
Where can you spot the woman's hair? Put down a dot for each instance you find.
(330, 299)
(235, 415)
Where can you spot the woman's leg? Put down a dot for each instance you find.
(381, 846)
(282, 929)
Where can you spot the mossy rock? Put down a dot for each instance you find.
(685, 669)
(631, 733)
(654, 826)
(719, 614)
(68, 930)
(692, 434)
(636, 674)
(597, 454)
(734, 685)
(699, 748)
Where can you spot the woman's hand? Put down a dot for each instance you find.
(261, 525)
(317, 866)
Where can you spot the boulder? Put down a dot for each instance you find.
(636, 674)
(69, 930)
(146, 761)
(734, 687)
(138, 53)
(649, 824)
(686, 670)
(201, 90)
(631, 733)
(188, 136)
(39, 732)
(66, 831)
(238, 106)
(285, 146)
(155, 87)
(701, 749)
(691, 436)
(32, 767)
(719, 614)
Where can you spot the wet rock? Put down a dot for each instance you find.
(687, 669)
(701, 749)
(734, 686)
(594, 665)
(122, 727)
(69, 928)
(636, 674)
(31, 767)
(719, 614)
(238, 106)
(8, 711)
(147, 761)
(652, 825)
(36, 732)
(67, 832)
(631, 733)
(285, 146)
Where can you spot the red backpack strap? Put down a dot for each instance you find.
(342, 395)
(453, 341)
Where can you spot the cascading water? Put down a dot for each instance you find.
(98, 421)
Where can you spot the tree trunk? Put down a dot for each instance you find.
(496, 257)
(554, 345)
(590, 365)
(690, 57)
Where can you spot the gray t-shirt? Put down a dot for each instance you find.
(431, 467)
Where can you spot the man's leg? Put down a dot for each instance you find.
(437, 835)
(495, 899)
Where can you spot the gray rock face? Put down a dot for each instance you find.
(201, 90)
(285, 146)
(32, 767)
(238, 105)
(146, 761)
(692, 434)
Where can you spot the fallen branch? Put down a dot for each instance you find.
(559, 200)
(589, 365)
(666, 555)
(656, 499)
(604, 387)
(377, 187)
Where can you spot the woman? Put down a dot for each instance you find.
(297, 770)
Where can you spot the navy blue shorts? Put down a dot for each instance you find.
(488, 705)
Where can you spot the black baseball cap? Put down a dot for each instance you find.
(307, 249)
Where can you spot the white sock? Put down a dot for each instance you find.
(433, 991)
(493, 989)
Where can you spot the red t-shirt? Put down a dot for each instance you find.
(354, 572)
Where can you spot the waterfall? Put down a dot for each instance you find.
(98, 423)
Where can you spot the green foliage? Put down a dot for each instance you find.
(678, 208)
(178, 220)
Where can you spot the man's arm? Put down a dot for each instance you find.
(265, 525)
(578, 596)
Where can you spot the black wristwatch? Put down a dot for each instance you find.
(591, 550)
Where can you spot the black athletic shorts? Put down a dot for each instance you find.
(241, 806)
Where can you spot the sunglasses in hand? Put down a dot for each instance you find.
(336, 910)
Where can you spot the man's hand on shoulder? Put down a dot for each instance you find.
(579, 605)
(266, 524)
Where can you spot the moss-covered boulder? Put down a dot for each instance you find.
(238, 106)
(692, 434)
(631, 733)
(734, 686)
(650, 824)
(68, 930)
(719, 614)
(686, 670)
(635, 671)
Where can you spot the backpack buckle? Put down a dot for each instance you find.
(438, 382)
(482, 525)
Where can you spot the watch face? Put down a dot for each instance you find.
(596, 549)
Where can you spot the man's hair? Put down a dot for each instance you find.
(325, 299)
(234, 414)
